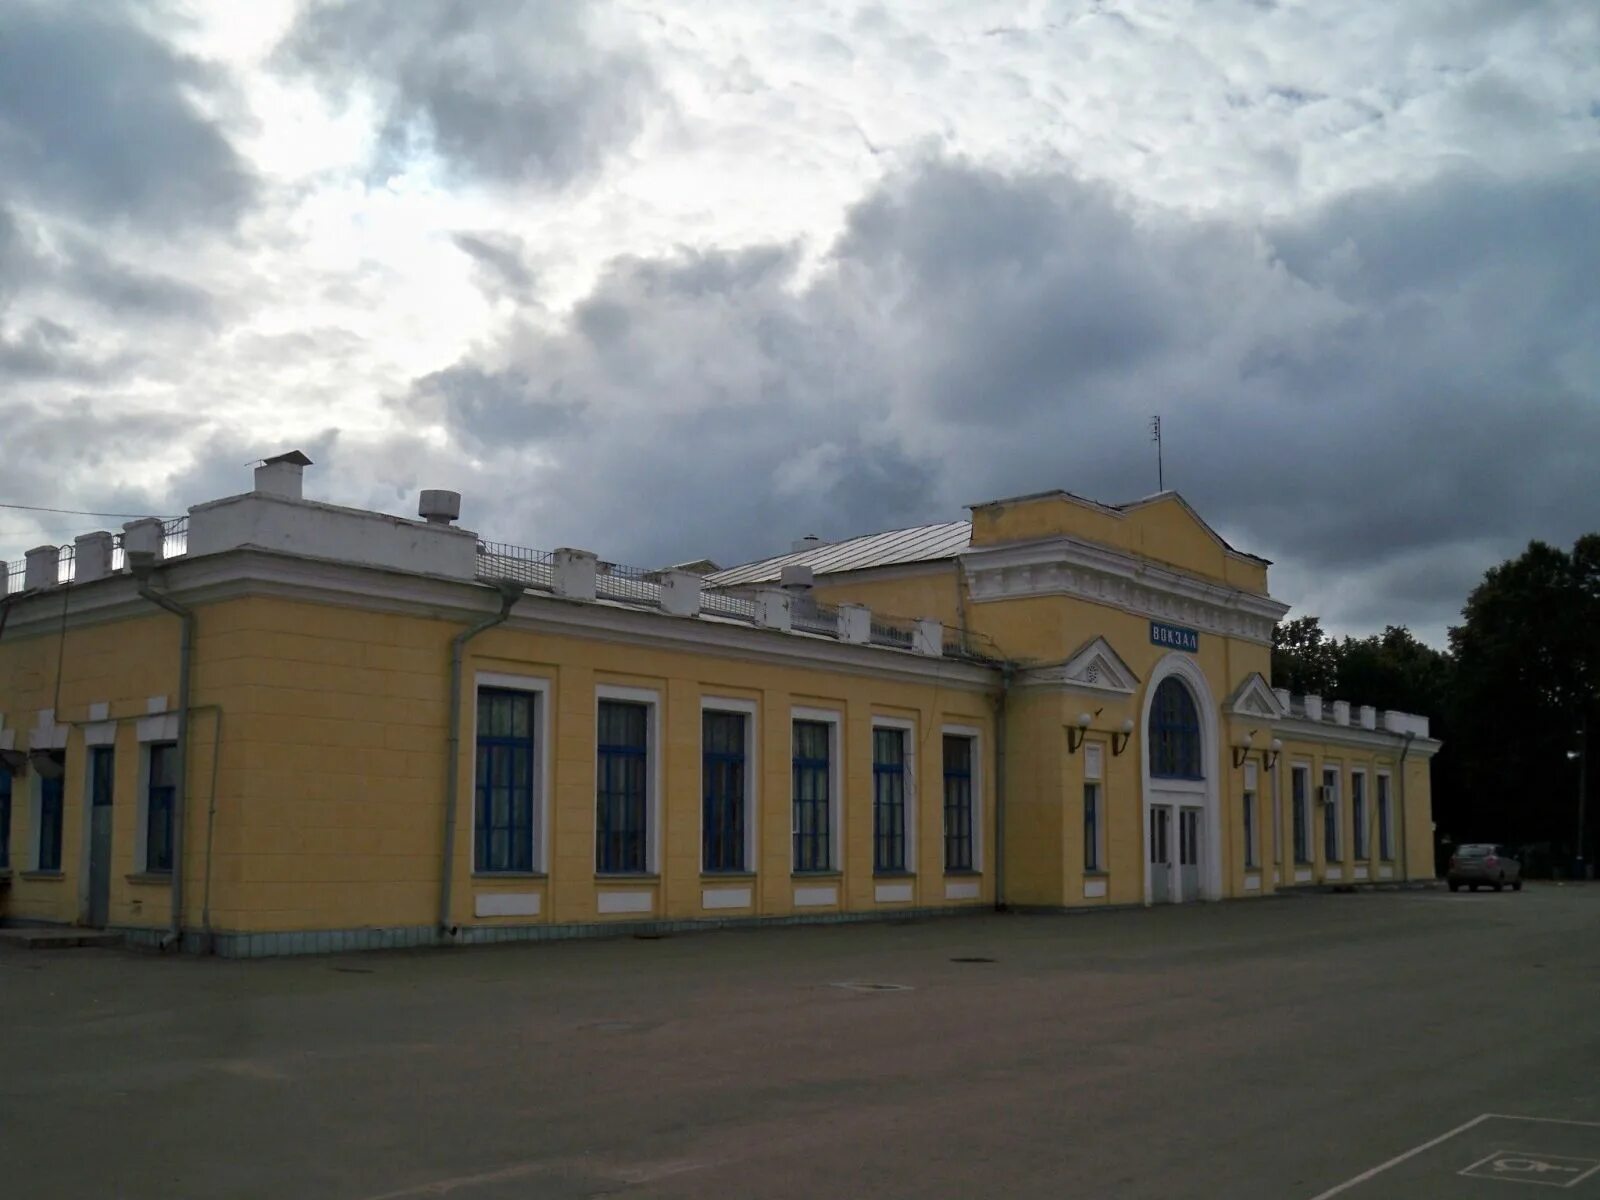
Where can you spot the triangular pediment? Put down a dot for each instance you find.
(1094, 666)
(1254, 698)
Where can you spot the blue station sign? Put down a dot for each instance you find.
(1174, 636)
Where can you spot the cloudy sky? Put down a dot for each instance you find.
(667, 280)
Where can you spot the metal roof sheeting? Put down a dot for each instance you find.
(920, 543)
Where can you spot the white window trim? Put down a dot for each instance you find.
(749, 710)
(651, 698)
(1308, 811)
(908, 728)
(35, 824)
(975, 734)
(1275, 783)
(1333, 855)
(1378, 790)
(1361, 851)
(540, 687)
(834, 719)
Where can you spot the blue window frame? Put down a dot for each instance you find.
(160, 790)
(51, 791)
(622, 792)
(5, 817)
(1300, 781)
(957, 802)
(888, 799)
(1330, 815)
(1358, 813)
(813, 813)
(504, 781)
(1091, 826)
(723, 803)
(1250, 828)
(1174, 732)
(1385, 820)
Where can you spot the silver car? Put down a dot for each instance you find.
(1484, 864)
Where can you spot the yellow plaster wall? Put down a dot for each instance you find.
(121, 663)
(343, 825)
(933, 592)
(1164, 531)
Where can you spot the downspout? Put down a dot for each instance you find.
(174, 936)
(1006, 672)
(510, 593)
(1405, 846)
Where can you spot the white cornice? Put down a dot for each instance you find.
(1067, 566)
(254, 572)
(1299, 729)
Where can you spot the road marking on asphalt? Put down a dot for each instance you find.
(1506, 1175)
(1400, 1158)
(1544, 1170)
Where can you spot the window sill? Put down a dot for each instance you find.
(40, 875)
(151, 878)
(828, 874)
(962, 873)
(492, 876)
(627, 877)
(725, 876)
(894, 874)
(1096, 873)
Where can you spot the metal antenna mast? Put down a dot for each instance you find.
(1155, 436)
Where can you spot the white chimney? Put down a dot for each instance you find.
(439, 507)
(281, 475)
(796, 579)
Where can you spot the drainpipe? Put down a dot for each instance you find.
(510, 593)
(141, 567)
(1006, 672)
(1405, 848)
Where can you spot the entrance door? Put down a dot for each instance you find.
(1160, 853)
(100, 766)
(1189, 853)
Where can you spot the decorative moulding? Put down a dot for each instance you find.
(1094, 667)
(1253, 698)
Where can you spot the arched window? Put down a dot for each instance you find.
(1174, 733)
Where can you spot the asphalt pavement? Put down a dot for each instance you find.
(1372, 1046)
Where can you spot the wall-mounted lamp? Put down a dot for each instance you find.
(1119, 740)
(45, 764)
(1241, 749)
(1075, 732)
(13, 761)
(1269, 756)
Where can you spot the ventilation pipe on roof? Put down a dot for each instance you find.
(281, 475)
(439, 507)
(810, 542)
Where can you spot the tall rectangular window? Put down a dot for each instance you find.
(1091, 826)
(723, 804)
(1385, 820)
(1358, 813)
(1300, 783)
(622, 844)
(160, 790)
(5, 817)
(957, 802)
(1330, 814)
(504, 824)
(888, 799)
(813, 832)
(1250, 829)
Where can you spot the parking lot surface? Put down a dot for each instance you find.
(1416, 1045)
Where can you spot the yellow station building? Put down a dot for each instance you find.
(280, 726)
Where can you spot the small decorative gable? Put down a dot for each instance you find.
(1094, 666)
(1254, 698)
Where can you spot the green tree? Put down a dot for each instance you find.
(1304, 659)
(1527, 678)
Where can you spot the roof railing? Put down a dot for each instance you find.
(635, 585)
(516, 564)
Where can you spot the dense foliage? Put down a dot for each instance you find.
(1510, 699)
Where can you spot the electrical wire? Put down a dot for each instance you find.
(78, 512)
